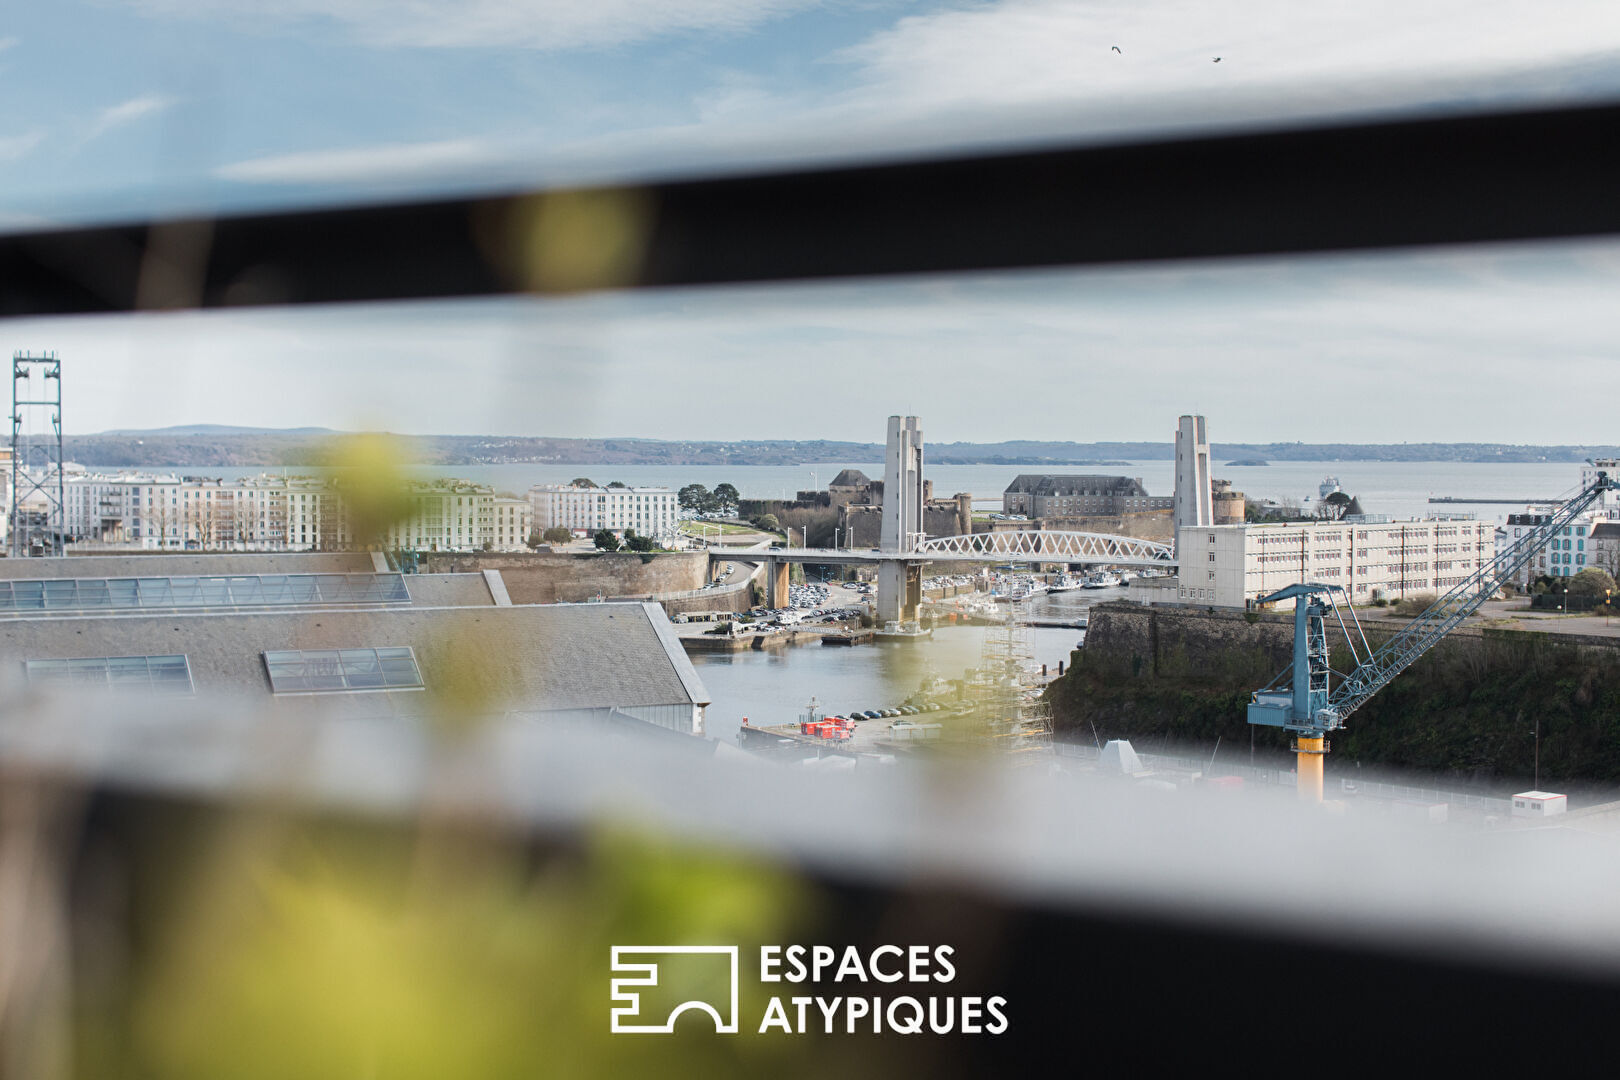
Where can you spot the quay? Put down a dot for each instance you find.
(1504, 502)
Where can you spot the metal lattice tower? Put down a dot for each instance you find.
(36, 456)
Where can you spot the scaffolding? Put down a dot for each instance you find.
(1007, 689)
(38, 497)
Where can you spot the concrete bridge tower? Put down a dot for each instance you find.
(899, 583)
(1194, 502)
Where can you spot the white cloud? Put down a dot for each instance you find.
(13, 147)
(1022, 51)
(394, 161)
(538, 24)
(127, 112)
(8, 43)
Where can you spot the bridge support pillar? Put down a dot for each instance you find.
(776, 583)
(899, 591)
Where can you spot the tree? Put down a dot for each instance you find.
(1333, 506)
(727, 496)
(768, 523)
(617, 484)
(556, 535)
(582, 481)
(1591, 582)
(638, 543)
(694, 497)
(605, 540)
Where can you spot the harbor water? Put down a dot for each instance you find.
(772, 686)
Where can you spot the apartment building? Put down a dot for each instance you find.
(446, 515)
(1578, 545)
(648, 511)
(1233, 565)
(514, 521)
(278, 513)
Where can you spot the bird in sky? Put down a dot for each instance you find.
(1116, 49)
(1217, 60)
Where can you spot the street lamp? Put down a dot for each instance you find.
(1606, 608)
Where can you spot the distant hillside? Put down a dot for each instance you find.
(216, 429)
(202, 445)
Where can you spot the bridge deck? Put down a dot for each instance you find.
(870, 556)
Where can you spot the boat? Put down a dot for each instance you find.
(1328, 486)
(1064, 583)
(894, 631)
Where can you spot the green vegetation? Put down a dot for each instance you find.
(1416, 604)
(633, 542)
(723, 528)
(556, 535)
(1592, 582)
(767, 523)
(605, 540)
(1467, 710)
(699, 499)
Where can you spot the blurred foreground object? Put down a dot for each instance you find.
(260, 894)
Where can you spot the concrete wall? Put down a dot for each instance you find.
(1149, 525)
(941, 517)
(555, 577)
(735, 601)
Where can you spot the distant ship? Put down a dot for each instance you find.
(1329, 485)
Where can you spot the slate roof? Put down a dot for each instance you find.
(853, 478)
(1050, 484)
(534, 658)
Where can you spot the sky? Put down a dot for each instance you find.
(119, 108)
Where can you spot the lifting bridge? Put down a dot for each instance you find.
(1032, 546)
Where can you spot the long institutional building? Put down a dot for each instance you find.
(280, 513)
(648, 511)
(1233, 565)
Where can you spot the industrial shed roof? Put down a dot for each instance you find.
(532, 658)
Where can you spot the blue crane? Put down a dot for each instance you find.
(1302, 700)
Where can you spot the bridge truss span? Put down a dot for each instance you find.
(1075, 547)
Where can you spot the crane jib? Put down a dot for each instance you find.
(1307, 706)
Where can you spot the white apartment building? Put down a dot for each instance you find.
(648, 511)
(447, 515)
(262, 513)
(278, 513)
(514, 520)
(1232, 565)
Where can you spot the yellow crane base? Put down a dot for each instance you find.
(1308, 757)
